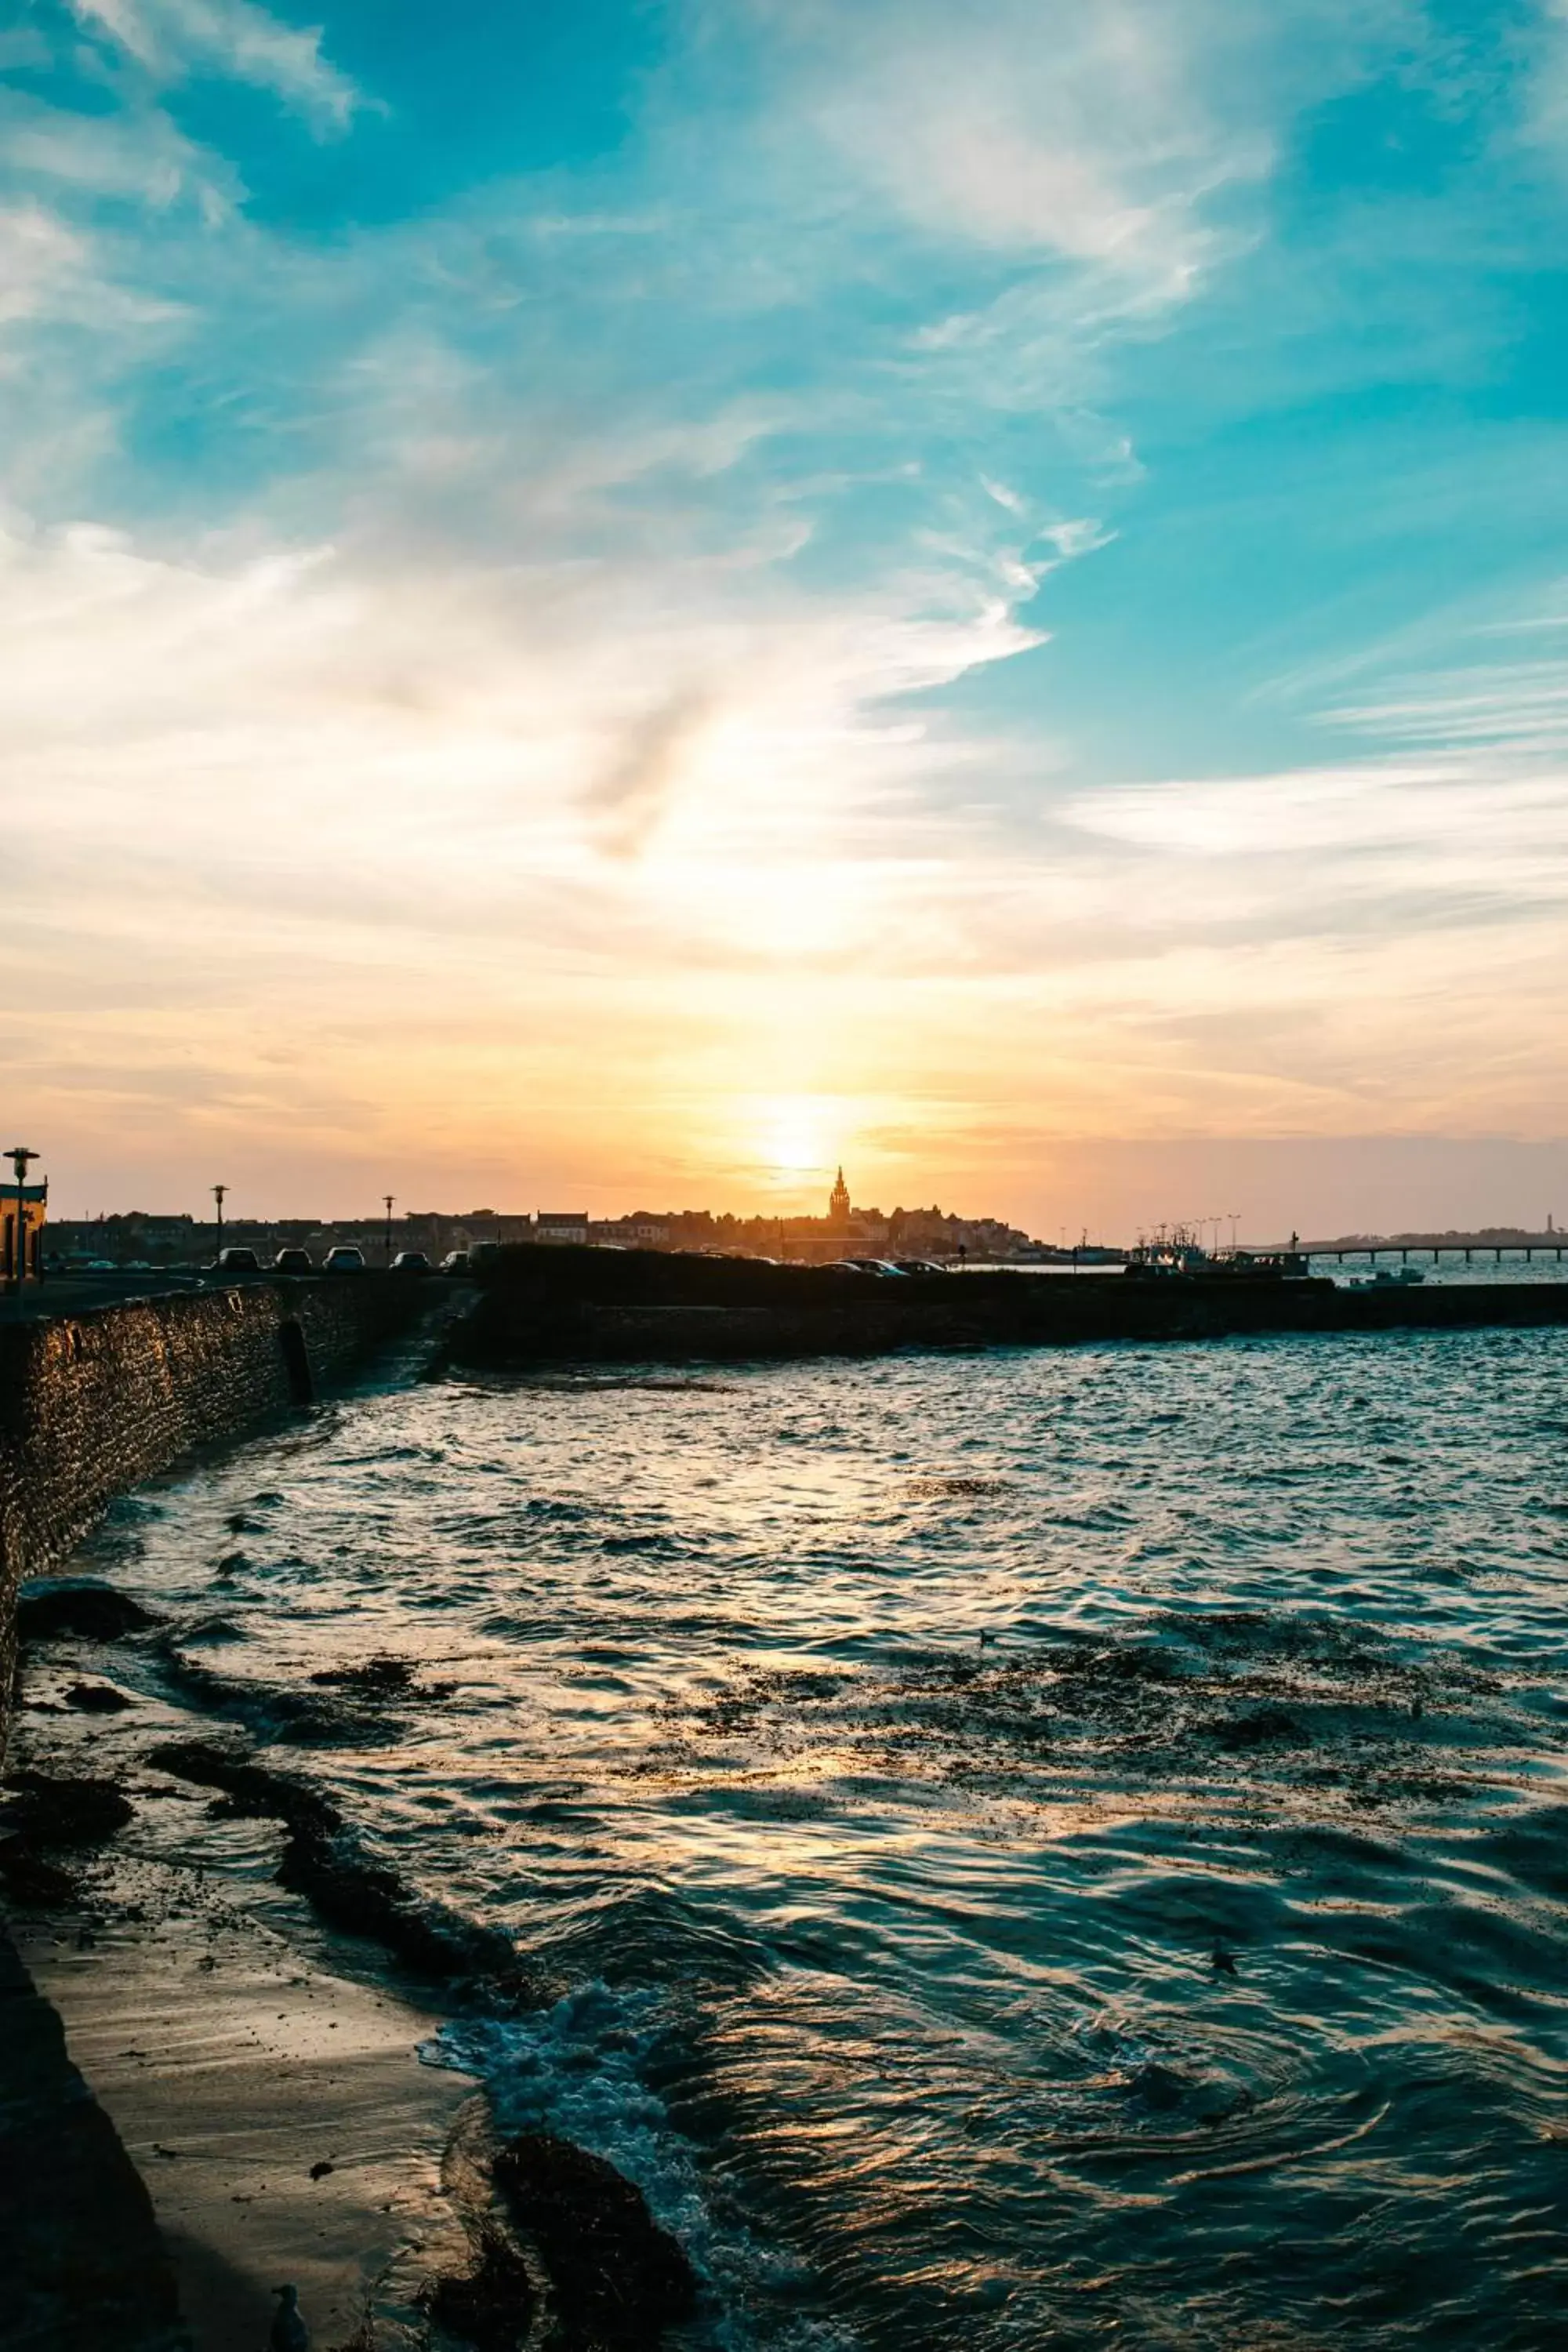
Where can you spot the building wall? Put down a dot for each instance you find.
(21, 1261)
(92, 1404)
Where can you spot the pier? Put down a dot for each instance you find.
(1421, 1253)
(567, 1305)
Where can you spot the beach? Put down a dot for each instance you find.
(278, 2112)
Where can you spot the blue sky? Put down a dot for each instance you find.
(671, 594)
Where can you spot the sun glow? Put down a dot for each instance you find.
(794, 1132)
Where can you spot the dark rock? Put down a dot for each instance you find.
(97, 1698)
(252, 1787)
(321, 1861)
(93, 1612)
(320, 2171)
(273, 1708)
(376, 1678)
(1270, 1727)
(28, 1878)
(44, 1811)
(1158, 2088)
(364, 1898)
(492, 2307)
(1125, 1662)
(618, 2279)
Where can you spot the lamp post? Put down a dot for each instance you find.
(17, 1267)
(388, 1198)
(219, 1194)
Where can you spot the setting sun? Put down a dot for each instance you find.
(793, 1140)
(793, 1134)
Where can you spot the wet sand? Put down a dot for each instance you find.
(231, 2069)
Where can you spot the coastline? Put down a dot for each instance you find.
(244, 1991)
(278, 2112)
(241, 1886)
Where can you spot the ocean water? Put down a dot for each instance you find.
(1012, 1850)
(1483, 1265)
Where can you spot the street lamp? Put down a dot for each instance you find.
(219, 1194)
(388, 1198)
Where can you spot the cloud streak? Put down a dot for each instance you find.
(172, 39)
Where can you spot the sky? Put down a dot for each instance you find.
(612, 604)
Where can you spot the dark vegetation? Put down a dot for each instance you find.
(1302, 1714)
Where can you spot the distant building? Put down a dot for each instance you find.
(561, 1225)
(631, 1232)
(137, 1238)
(492, 1225)
(131, 1237)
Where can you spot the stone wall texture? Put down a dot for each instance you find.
(91, 1404)
(583, 1305)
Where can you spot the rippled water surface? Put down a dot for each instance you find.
(1016, 1850)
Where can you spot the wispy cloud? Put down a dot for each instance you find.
(174, 38)
(1043, 132)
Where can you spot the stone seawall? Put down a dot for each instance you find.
(93, 1404)
(569, 1305)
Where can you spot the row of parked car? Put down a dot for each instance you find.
(886, 1267)
(344, 1258)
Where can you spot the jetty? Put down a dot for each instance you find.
(566, 1304)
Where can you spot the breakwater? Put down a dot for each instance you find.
(590, 1305)
(93, 1402)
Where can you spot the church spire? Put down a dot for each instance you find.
(838, 1202)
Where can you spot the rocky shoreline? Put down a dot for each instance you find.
(284, 2126)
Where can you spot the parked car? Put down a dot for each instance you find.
(455, 1262)
(919, 1265)
(293, 1260)
(484, 1254)
(411, 1262)
(236, 1260)
(344, 1258)
(881, 1267)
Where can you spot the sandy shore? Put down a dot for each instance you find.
(280, 2116)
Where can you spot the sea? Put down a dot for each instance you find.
(1007, 1850)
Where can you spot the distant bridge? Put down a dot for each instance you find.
(1406, 1251)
